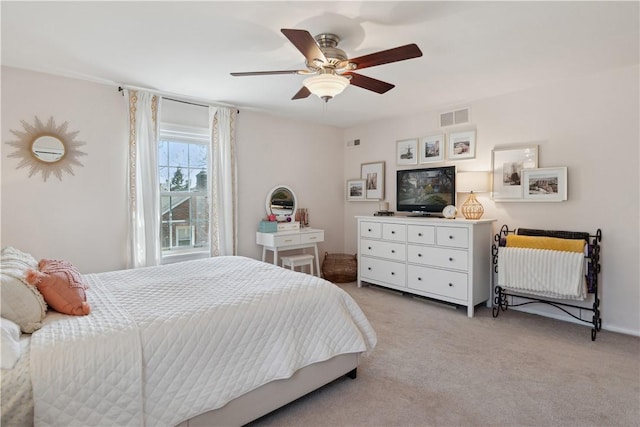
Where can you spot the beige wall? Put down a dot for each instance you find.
(83, 218)
(308, 158)
(589, 124)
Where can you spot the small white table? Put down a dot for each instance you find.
(290, 240)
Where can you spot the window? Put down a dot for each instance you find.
(185, 235)
(183, 155)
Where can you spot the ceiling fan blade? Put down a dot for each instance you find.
(266, 73)
(369, 83)
(386, 56)
(305, 43)
(302, 93)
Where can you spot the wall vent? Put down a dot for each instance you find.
(456, 117)
(353, 143)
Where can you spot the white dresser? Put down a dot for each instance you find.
(444, 259)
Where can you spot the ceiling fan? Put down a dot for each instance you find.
(331, 69)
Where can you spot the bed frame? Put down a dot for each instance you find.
(273, 395)
(501, 301)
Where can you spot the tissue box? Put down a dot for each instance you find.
(268, 227)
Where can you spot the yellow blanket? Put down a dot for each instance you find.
(552, 243)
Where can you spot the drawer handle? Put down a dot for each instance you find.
(312, 238)
(419, 255)
(451, 259)
(369, 268)
(393, 273)
(287, 241)
(393, 232)
(419, 279)
(450, 237)
(369, 248)
(393, 251)
(419, 234)
(451, 285)
(369, 230)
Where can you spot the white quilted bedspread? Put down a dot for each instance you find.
(85, 370)
(16, 396)
(187, 338)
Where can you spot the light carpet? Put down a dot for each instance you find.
(434, 366)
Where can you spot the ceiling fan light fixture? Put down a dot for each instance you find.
(326, 86)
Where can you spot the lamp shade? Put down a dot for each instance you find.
(326, 86)
(472, 182)
(478, 182)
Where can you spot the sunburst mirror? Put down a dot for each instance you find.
(46, 148)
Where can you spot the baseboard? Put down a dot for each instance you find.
(566, 318)
(620, 330)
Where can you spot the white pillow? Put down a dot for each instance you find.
(10, 344)
(21, 302)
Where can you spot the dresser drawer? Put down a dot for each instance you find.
(384, 271)
(371, 229)
(423, 234)
(316, 236)
(441, 282)
(396, 232)
(377, 248)
(454, 237)
(286, 239)
(438, 257)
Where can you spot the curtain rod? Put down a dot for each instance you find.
(185, 102)
(121, 90)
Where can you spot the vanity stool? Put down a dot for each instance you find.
(294, 261)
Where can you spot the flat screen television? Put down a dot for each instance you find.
(425, 191)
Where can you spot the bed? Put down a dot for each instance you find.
(219, 341)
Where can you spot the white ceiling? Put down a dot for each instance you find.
(471, 50)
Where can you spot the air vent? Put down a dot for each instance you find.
(456, 117)
(446, 119)
(353, 143)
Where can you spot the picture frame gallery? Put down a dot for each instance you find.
(356, 189)
(373, 174)
(507, 165)
(432, 149)
(545, 184)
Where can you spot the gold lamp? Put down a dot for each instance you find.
(472, 182)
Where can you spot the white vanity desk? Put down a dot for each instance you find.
(290, 240)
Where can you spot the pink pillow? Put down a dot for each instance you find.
(61, 285)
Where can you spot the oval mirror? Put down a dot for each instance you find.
(48, 149)
(281, 202)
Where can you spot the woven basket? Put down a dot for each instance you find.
(340, 268)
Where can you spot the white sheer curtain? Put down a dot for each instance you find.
(222, 163)
(144, 193)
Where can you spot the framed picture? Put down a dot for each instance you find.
(462, 145)
(373, 174)
(431, 149)
(356, 189)
(545, 184)
(507, 164)
(407, 152)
